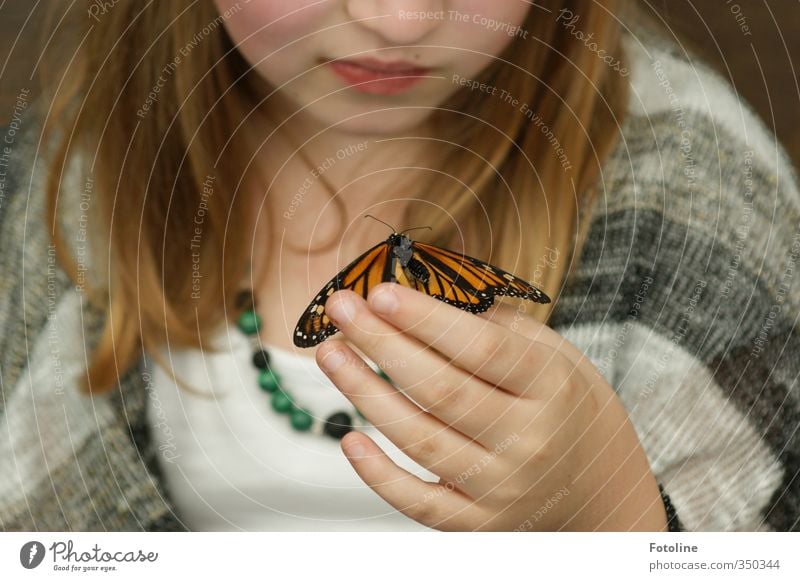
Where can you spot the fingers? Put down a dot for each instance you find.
(431, 504)
(468, 404)
(424, 438)
(498, 355)
(516, 319)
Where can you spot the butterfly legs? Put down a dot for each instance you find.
(414, 274)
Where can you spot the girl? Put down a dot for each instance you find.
(210, 169)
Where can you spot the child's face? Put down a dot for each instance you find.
(287, 40)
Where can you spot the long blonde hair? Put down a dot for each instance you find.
(150, 160)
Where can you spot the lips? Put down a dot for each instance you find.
(368, 75)
(378, 66)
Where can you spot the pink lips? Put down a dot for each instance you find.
(368, 75)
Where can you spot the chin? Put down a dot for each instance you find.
(379, 122)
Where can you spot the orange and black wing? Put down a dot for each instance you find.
(469, 283)
(365, 272)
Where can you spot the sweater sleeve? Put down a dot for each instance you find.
(710, 371)
(707, 360)
(67, 461)
(687, 297)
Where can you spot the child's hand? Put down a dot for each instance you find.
(522, 429)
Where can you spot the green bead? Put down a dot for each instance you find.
(382, 373)
(301, 419)
(249, 322)
(268, 381)
(282, 402)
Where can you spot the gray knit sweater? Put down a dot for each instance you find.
(685, 297)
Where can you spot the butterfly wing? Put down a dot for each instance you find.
(366, 271)
(457, 279)
(469, 283)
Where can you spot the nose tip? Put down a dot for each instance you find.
(398, 22)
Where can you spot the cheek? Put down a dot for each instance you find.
(510, 11)
(488, 27)
(491, 24)
(272, 23)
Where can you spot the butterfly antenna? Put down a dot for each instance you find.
(416, 228)
(381, 221)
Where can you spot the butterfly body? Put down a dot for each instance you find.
(456, 279)
(403, 253)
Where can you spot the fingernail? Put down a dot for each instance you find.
(342, 309)
(355, 450)
(384, 300)
(333, 361)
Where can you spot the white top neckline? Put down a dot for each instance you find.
(231, 462)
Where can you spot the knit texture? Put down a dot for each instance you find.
(685, 298)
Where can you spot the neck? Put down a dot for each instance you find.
(303, 166)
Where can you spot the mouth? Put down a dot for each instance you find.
(368, 75)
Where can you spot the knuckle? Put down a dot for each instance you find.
(375, 340)
(560, 363)
(424, 450)
(569, 387)
(538, 453)
(506, 491)
(529, 368)
(510, 493)
(566, 368)
(444, 394)
(570, 391)
(487, 346)
(531, 358)
(424, 511)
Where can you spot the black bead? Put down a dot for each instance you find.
(261, 359)
(674, 524)
(244, 300)
(338, 424)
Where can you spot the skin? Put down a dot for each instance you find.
(284, 40)
(511, 413)
(498, 397)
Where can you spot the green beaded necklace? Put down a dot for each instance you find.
(336, 425)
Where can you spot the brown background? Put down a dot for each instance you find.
(761, 66)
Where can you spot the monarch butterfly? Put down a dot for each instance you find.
(462, 281)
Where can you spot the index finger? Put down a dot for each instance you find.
(481, 347)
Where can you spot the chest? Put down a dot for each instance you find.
(231, 462)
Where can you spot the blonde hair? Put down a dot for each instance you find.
(531, 176)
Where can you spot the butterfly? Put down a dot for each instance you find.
(462, 281)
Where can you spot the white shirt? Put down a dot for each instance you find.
(234, 463)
